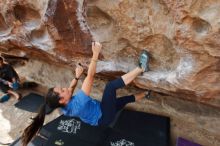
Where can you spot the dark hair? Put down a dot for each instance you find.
(51, 100)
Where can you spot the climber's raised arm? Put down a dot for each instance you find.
(78, 73)
(88, 82)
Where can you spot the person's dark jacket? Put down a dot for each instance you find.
(7, 72)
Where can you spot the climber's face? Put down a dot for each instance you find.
(64, 94)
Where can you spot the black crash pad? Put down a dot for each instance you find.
(131, 128)
(31, 103)
(37, 141)
(154, 130)
(75, 128)
(65, 139)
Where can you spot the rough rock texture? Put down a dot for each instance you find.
(46, 29)
(181, 36)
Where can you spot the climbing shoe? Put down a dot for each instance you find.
(144, 61)
(4, 98)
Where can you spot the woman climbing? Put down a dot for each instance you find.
(81, 105)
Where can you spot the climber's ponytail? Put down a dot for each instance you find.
(35, 126)
(52, 101)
